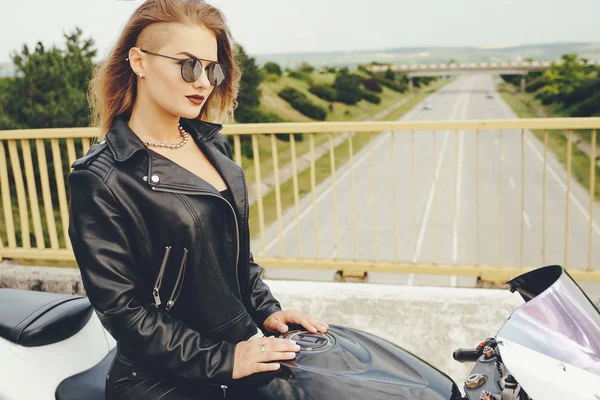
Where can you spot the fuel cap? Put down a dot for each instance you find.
(312, 342)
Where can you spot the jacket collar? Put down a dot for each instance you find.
(166, 175)
(124, 143)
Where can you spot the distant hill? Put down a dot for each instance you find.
(408, 55)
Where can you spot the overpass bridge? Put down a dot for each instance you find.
(444, 69)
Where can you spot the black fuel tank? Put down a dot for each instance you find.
(350, 364)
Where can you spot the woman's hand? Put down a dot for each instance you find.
(254, 355)
(277, 322)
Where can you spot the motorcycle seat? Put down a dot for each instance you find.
(29, 318)
(89, 384)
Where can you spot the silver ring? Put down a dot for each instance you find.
(262, 348)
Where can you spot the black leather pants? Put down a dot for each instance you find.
(126, 381)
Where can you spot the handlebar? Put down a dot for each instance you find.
(466, 355)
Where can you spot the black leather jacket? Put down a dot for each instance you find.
(165, 259)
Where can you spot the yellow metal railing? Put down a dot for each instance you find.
(415, 158)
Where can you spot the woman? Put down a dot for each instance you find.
(159, 222)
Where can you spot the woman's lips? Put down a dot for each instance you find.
(196, 100)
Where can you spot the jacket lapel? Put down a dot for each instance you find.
(168, 175)
(231, 173)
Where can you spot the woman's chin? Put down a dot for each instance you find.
(191, 112)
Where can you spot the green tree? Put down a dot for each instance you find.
(420, 81)
(347, 87)
(50, 90)
(403, 79)
(272, 68)
(574, 85)
(302, 103)
(562, 79)
(306, 67)
(6, 121)
(249, 97)
(389, 74)
(301, 75)
(371, 97)
(249, 93)
(322, 90)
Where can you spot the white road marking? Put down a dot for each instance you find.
(527, 220)
(461, 145)
(433, 186)
(461, 141)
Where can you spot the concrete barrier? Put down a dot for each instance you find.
(44, 279)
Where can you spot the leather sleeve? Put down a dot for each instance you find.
(112, 279)
(261, 299)
(263, 302)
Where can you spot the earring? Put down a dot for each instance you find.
(141, 76)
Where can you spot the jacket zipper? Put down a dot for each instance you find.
(190, 192)
(156, 290)
(177, 288)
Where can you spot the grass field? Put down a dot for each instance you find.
(271, 102)
(526, 106)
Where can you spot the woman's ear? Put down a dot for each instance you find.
(136, 61)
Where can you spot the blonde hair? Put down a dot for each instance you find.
(113, 85)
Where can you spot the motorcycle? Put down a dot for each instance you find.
(53, 347)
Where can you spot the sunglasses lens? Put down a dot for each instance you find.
(216, 74)
(191, 70)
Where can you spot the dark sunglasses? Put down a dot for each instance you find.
(191, 69)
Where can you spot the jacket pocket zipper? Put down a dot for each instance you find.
(178, 283)
(177, 288)
(156, 290)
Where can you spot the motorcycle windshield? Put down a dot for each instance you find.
(557, 320)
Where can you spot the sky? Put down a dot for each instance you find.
(294, 26)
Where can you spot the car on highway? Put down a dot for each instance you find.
(489, 95)
(427, 105)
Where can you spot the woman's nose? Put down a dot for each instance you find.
(202, 81)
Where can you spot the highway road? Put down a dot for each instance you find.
(444, 199)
